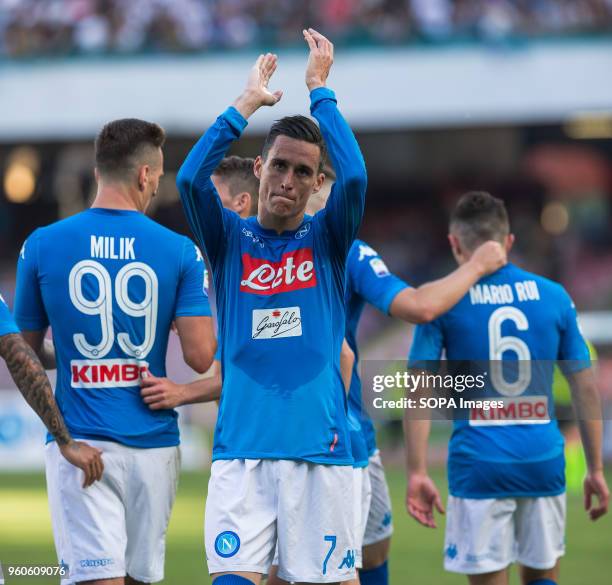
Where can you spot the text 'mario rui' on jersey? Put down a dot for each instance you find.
(368, 280)
(506, 452)
(110, 283)
(280, 301)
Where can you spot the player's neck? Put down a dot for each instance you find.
(112, 197)
(279, 224)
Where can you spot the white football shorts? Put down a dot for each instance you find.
(308, 507)
(116, 526)
(379, 525)
(488, 535)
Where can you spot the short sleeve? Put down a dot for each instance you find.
(7, 325)
(192, 296)
(370, 277)
(427, 346)
(30, 312)
(573, 351)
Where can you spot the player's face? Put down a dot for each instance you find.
(288, 177)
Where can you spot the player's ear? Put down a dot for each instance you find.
(319, 183)
(455, 245)
(241, 202)
(257, 166)
(143, 177)
(97, 174)
(509, 242)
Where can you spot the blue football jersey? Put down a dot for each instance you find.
(368, 280)
(510, 317)
(7, 325)
(280, 303)
(109, 282)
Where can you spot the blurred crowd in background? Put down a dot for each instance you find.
(30, 28)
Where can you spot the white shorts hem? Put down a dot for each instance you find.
(148, 578)
(78, 577)
(212, 569)
(378, 538)
(316, 578)
(477, 570)
(539, 565)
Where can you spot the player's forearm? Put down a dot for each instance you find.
(416, 437)
(341, 143)
(202, 204)
(587, 404)
(31, 379)
(247, 103)
(206, 390)
(347, 361)
(430, 300)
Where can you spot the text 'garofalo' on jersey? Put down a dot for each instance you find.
(294, 271)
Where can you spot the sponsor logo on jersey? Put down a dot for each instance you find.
(295, 271)
(275, 323)
(379, 267)
(522, 410)
(111, 373)
(227, 544)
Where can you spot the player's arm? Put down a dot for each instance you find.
(192, 315)
(422, 495)
(205, 213)
(347, 361)
(31, 379)
(198, 341)
(430, 300)
(162, 393)
(344, 209)
(587, 404)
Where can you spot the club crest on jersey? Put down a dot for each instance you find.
(111, 373)
(295, 271)
(302, 232)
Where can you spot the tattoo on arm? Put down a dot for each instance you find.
(32, 381)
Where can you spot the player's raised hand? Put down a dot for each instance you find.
(595, 485)
(85, 457)
(320, 59)
(422, 497)
(161, 393)
(256, 92)
(489, 257)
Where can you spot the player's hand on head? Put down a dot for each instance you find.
(85, 457)
(595, 486)
(320, 59)
(422, 497)
(160, 393)
(489, 257)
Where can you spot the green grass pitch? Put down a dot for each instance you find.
(416, 553)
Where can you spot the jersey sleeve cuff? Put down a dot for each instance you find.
(319, 94)
(27, 324)
(235, 119)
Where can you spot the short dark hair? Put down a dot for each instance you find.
(478, 217)
(237, 172)
(121, 143)
(299, 128)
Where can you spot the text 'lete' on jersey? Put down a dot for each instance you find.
(280, 302)
(110, 283)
